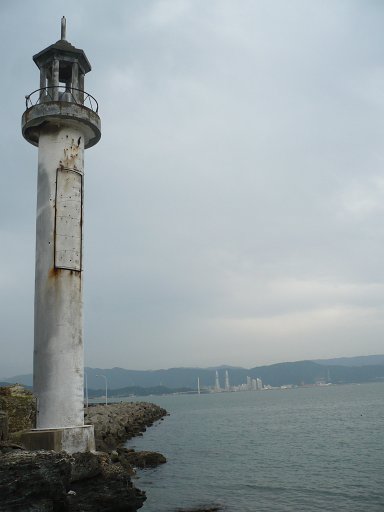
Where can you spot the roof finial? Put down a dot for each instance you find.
(63, 28)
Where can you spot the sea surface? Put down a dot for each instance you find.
(304, 449)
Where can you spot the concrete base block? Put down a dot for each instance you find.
(67, 439)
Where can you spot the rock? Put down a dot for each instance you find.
(20, 405)
(213, 508)
(114, 456)
(116, 423)
(44, 481)
(110, 491)
(48, 481)
(85, 465)
(141, 459)
(7, 446)
(33, 481)
(3, 426)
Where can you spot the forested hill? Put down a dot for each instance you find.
(308, 372)
(295, 373)
(353, 361)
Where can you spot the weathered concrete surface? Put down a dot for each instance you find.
(61, 127)
(56, 112)
(19, 404)
(116, 423)
(58, 361)
(58, 482)
(69, 439)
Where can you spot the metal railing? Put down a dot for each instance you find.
(61, 93)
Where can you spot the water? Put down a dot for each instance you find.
(305, 449)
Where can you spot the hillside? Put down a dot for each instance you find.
(353, 361)
(295, 373)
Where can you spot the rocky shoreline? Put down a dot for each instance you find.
(46, 481)
(115, 423)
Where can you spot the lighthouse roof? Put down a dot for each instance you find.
(62, 50)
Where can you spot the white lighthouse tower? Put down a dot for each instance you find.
(62, 120)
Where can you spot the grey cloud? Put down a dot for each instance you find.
(233, 206)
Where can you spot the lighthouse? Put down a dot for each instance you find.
(62, 120)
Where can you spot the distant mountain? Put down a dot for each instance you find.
(8, 383)
(296, 373)
(309, 372)
(224, 367)
(27, 379)
(352, 361)
(137, 391)
(170, 378)
(347, 374)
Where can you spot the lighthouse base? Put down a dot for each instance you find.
(67, 439)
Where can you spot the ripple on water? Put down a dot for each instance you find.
(306, 450)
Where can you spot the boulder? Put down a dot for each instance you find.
(58, 482)
(143, 459)
(20, 405)
(33, 481)
(111, 490)
(208, 508)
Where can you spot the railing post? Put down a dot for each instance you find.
(55, 79)
(75, 81)
(43, 83)
(52, 93)
(81, 87)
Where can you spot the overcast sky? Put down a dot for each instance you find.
(234, 207)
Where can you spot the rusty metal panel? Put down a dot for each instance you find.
(68, 220)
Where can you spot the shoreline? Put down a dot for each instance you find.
(88, 482)
(118, 422)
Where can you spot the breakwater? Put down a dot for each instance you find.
(116, 423)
